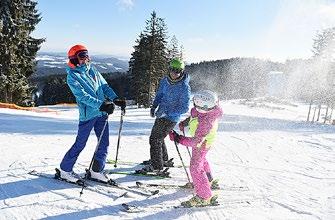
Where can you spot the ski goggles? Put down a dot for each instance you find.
(176, 71)
(82, 55)
(203, 109)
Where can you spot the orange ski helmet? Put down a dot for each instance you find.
(72, 54)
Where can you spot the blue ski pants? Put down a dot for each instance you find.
(84, 130)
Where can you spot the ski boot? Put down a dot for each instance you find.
(169, 163)
(215, 184)
(71, 176)
(197, 201)
(149, 170)
(188, 185)
(100, 177)
(146, 162)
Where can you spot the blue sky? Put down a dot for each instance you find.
(208, 29)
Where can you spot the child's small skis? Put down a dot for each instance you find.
(136, 209)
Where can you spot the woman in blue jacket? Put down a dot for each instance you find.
(92, 94)
(172, 100)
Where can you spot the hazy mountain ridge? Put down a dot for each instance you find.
(49, 63)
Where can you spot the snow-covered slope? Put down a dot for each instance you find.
(284, 166)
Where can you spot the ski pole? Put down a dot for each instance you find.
(119, 137)
(96, 149)
(182, 162)
(188, 150)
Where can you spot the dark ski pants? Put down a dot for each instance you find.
(84, 130)
(158, 151)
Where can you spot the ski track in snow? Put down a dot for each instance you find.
(286, 164)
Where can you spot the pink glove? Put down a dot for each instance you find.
(174, 136)
(182, 128)
(183, 124)
(180, 139)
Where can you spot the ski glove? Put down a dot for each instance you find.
(120, 102)
(174, 136)
(183, 124)
(108, 107)
(152, 111)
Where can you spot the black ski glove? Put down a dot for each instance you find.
(152, 111)
(108, 107)
(120, 102)
(174, 136)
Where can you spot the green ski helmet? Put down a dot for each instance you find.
(177, 64)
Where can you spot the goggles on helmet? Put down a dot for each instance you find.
(82, 54)
(175, 70)
(203, 108)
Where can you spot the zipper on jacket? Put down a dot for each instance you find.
(85, 111)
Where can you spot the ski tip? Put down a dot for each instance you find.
(57, 174)
(155, 192)
(130, 208)
(112, 182)
(125, 206)
(32, 172)
(125, 194)
(81, 183)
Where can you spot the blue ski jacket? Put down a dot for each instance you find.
(90, 90)
(172, 99)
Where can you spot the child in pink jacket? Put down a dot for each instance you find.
(203, 125)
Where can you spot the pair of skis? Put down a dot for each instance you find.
(177, 186)
(134, 209)
(130, 208)
(90, 186)
(161, 175)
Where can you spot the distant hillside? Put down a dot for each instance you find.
(55, 63)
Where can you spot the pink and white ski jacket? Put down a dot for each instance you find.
(202, 128)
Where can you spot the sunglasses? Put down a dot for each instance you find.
(176, 71)
(82, 55)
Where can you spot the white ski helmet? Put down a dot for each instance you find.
(205, 100)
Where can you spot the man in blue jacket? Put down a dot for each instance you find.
(93, 97)
(172, 99)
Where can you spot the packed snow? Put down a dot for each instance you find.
(270, 162)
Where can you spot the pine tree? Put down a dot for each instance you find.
(181, 52)
(18, 49)
(324, 66)
(137, 69)
(324, 45)
(173, 49)
(148, 63)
